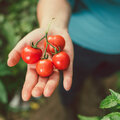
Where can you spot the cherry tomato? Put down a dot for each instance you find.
(31, 55)
(44, 67)
(61, 60)
(57, 41)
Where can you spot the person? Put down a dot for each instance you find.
(94, 30)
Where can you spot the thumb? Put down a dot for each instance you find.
(15, 55)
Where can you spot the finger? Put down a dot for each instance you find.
(39, 88)
(51, 84)
(67, 82)
(68, 74)
(30, 82)
(15, 54)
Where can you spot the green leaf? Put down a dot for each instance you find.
(112, 116)
(108, 102)
(111, 100)
(3, 94)
(88, 118)
(116, 95)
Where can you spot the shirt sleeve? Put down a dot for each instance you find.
(72, 3)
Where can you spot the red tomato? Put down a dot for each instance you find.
(57, 41)
(31, 55)
(61, 60)
(44, 67)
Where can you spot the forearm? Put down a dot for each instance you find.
(58, 9)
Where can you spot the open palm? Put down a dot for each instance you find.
(36, 85)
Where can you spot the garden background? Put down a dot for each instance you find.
(17, 18)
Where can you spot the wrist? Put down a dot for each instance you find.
(55, 25)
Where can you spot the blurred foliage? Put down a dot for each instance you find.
(17, 18)
(118, 82)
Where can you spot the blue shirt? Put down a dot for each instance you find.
(97, 27)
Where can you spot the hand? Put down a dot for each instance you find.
(34, 84)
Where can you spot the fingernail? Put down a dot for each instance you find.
(10, 62)
(46, 92)
(25, 97)
(66, 86)
(35, 92)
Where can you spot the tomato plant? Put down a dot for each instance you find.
(61, 60)
(31, 55)
(112, 102)
(44, 67)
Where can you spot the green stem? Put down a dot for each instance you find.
(35, 46)
(50, 45)
(46, 33)
(53, 47)
(49, 25)
(46, 45)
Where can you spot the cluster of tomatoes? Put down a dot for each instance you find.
(53, 45)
